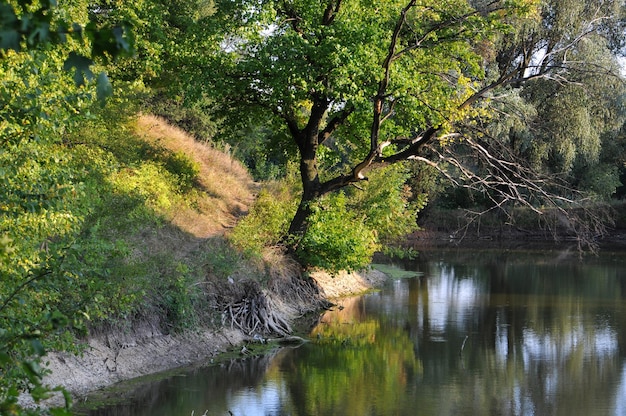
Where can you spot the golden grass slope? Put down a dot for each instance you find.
(225, 188)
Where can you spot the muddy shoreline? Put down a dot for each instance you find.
(144, 349)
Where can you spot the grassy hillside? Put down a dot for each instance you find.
(219, 187)
(160, 216)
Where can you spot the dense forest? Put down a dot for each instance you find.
(350, 118)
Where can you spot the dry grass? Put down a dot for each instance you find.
(226, 188)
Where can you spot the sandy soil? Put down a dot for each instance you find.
(113, 357)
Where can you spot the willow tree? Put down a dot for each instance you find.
(390, 82)
(566, 119)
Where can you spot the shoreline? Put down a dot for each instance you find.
(428, 239)
(144, 349)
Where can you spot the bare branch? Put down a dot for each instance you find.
(335, 122)
(491, 170)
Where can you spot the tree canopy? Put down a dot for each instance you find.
(342, 81)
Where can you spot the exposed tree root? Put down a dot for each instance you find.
(300, 292)
(254, 312)
(263, 309)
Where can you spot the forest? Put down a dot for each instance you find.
(352, 122)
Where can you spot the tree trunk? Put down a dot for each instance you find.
(310, 191)
(308, 140)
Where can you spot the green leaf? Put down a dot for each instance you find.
(32, 370)
(104, 88)
(58, 319)
(81, 65)
(122, 44)
(37, 347)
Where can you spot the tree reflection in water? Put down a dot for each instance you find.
(542, 338)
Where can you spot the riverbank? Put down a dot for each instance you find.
(144, 349)
(461, 228)
(167, 287)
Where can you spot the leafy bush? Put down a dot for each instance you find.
(385, 202)
(337, 238)
(192, 115)
(184, 168)
(268, 220)
(601, 179)
(347, 228)
(344, 229)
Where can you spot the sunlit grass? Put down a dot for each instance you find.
(223, 185)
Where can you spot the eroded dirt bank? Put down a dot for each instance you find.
(146, 349)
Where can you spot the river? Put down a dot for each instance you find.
(472, 333)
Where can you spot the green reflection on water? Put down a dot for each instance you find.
(356, 366)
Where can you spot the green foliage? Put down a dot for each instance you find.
(336, 238)
(176, 296)
(341, 61)
(41, 215)
(401, 253)
(218, 258)
(601, 179)
(344, 230)
(194, 116)
(268, 220)
(33, 25)
(261, 149)
(347, 228)
(385, 203)
(184, 168)
(562, 127)
(75, 211)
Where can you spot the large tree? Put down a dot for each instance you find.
(400, 80)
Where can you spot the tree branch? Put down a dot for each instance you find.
(331, 12)
(334, 123)
(493, 171)
(22, 285)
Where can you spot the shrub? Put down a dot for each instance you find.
(336, 238)
(268, 220)
(602, 180)
(184, 168)
(385, 204)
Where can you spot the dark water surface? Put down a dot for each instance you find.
(479, 333)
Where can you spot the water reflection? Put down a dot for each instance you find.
(477, 334)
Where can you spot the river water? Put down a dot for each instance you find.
(474, 333)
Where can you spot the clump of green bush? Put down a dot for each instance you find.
(336, 238)
(267, 221)
(344, 229)
(185, 169)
